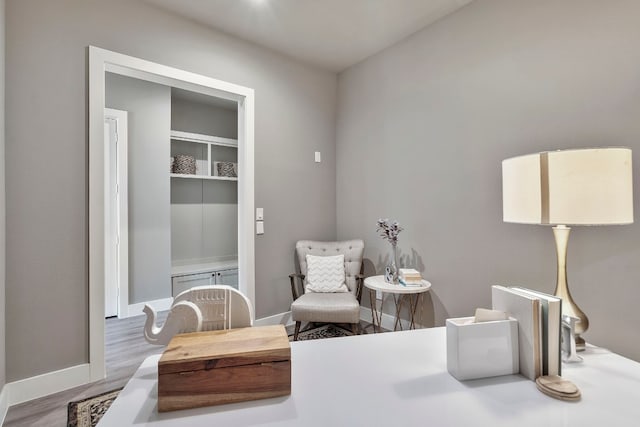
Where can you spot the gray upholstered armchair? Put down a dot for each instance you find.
(338, 307)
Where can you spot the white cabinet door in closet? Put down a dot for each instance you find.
(227, 277)
(182, 283)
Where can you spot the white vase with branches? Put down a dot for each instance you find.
(389, 231)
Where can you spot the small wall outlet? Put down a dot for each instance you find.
(318, 157)
(259, 227)
(379, 295)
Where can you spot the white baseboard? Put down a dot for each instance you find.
(388, 320)
(4, 403)
(43, 385)
(158, 305)
(276, 319)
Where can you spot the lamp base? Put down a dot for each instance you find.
(569, 307)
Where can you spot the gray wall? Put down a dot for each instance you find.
(424, 125)
(2, 203)
(149, 120)
(47, 202)
(189, 116)
(204, 220)
(204, 213)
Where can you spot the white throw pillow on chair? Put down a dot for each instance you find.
(325, 274)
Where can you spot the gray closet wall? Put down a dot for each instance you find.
(204, 213)
(198, 117)
(149, 108)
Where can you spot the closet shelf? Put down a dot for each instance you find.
(217, 178)
(205, 149)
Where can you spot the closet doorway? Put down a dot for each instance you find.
(179, 228)
(197, 199)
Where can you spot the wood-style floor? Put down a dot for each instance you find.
(125, 351)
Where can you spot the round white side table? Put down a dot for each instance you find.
(400, 292)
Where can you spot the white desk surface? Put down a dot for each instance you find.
(400, 379)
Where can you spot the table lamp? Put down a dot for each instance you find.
(590, 186)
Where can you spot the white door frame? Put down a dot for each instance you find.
(101, 61)
(119, 214)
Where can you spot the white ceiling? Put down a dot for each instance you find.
(332, 34)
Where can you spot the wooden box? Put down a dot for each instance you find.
(212, 368)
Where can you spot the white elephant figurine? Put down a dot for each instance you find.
(203, 308)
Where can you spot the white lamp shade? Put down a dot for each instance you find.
(591, 186)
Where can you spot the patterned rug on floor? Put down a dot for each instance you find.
(321, 332)
(87, 412)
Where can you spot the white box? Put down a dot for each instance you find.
(480, 350)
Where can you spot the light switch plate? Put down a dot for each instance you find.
(259, 227)
(259, 214)
(318, 157)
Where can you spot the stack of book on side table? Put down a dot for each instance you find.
(410, 277)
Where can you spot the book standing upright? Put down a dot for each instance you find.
(527, 310)
(551, 330)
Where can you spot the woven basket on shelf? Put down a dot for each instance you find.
(184, 164)
(228, 169)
